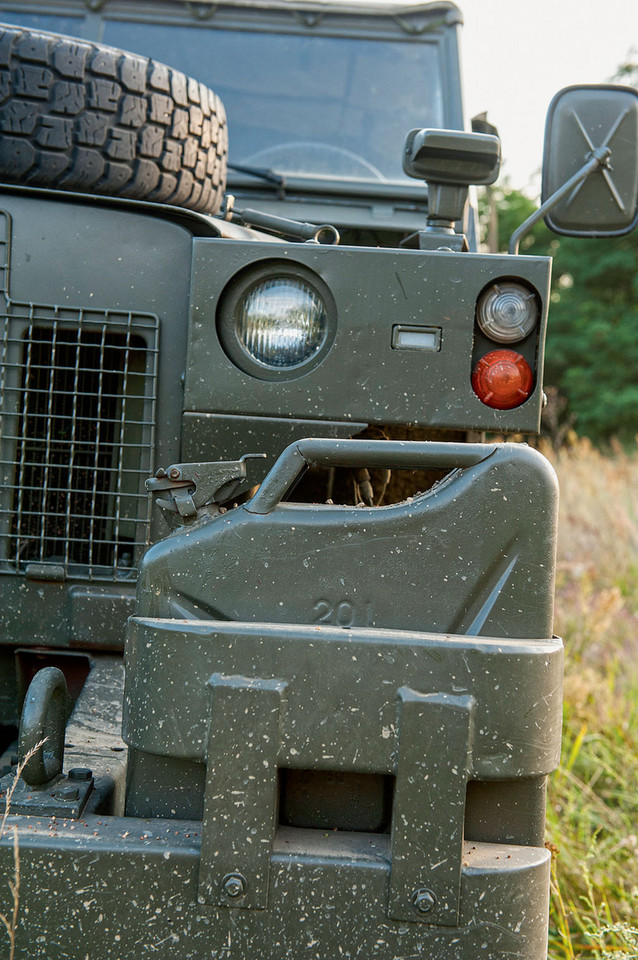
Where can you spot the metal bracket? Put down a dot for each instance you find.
(240, 801)
(597, 159)
(427, 831)
(414, 29)
(185, 490)
(308, 18)
(439, 238)
(64, 796)
(201, 11)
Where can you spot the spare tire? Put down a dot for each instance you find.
(84, 117)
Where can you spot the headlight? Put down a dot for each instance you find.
(507, 311)
(276, 320)
(281, 322)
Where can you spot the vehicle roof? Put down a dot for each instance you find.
(433, 8)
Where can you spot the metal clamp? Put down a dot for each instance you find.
(427, 835)
(240, 802)
(184, 490)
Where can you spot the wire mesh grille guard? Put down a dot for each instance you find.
(77, 395)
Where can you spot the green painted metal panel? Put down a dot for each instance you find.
(362, 376)
(343, 690)
(241, 796)
(427, 835)
(131, 887)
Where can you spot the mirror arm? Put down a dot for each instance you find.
(598, 158)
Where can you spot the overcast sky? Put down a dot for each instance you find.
(518, 53)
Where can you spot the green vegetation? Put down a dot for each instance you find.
(592, 342)
(593, 797)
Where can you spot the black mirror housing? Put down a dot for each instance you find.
(580, 120)
(452, 157)
(449, 161)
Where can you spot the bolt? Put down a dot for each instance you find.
(67, 793)
(80, 774)
(423, 900)
(174, 473)
(234, 885)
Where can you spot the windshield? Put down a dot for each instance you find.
(327, 106)
(296, 104)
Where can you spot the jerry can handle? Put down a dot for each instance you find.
(392, 454)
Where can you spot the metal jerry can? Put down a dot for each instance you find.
(359, 706)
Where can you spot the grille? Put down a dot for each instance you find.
(77, 396)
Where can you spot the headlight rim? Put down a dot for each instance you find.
(239, 286)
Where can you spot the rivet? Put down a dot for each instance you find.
(423, 900)
(234, 886)
(174, 473)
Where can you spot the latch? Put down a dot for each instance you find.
(187, 491)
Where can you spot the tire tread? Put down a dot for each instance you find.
(81, 116)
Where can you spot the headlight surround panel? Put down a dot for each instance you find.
(358, 374)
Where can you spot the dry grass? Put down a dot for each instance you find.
(11, 922)
(593, 802)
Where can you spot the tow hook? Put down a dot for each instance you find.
(37, 786)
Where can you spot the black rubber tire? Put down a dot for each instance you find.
(80, 116)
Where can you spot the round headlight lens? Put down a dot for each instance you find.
(507, 311)
(281, 322)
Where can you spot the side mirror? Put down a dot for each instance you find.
(585, 122)
(449, 161)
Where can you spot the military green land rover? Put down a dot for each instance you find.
(277, 672)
